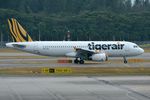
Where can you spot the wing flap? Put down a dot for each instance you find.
(81, 52)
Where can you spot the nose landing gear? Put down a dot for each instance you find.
(125, 60)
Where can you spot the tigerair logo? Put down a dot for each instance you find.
(18, 34)
(93, 46)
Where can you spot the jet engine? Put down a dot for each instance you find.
(99, 57)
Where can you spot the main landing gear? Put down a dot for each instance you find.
(125, 60)
(80, 61)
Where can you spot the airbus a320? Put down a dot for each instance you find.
(80, 50)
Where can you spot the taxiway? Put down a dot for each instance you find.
(75, 88)
(21, 59)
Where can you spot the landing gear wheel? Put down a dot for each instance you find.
(125, 60)
(76, 61)
(81, 62)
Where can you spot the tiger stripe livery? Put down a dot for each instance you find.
(18, 33)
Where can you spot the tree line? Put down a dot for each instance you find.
(85, 19)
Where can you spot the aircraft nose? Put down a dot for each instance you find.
(141, 50)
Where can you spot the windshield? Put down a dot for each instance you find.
(135, 46)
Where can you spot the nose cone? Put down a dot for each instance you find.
(141, 50)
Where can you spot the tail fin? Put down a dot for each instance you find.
(18, 33)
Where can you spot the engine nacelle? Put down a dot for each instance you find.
(99, 57)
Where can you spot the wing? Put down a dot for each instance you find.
(84, 53)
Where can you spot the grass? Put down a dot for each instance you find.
(147, 50)
(78, 71)
(22, 57)
(145, 46)
(10, 50)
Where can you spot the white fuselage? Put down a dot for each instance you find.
(67, 48)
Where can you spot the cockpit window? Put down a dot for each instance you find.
(135, 46)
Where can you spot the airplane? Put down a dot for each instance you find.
(80, 50)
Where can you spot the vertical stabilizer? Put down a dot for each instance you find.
(18, 33)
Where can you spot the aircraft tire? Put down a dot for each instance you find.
(76, 61)
(125, 62)
(81, 62)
